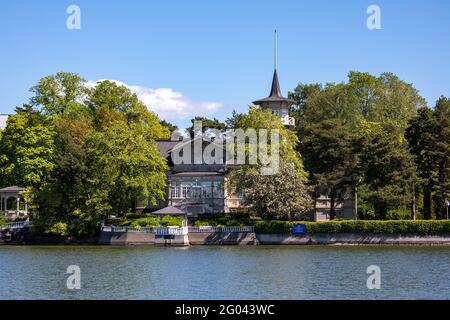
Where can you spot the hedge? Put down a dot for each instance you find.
(360, 226)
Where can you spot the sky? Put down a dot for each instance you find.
(206, 58)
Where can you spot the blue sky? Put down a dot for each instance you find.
(210, 57)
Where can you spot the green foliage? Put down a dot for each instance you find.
(59, 93)
(58, 229)
(27, 149)
(352, 134)
(231, 220)
(388, 169)
(152, 222)
(385, 99)
(428, 136)
(207, 124)
(360, 226)
(83, 152)
(274, 227)
(283, 190)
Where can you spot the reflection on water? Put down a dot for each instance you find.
(262, 272)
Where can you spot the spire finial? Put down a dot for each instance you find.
(275, 62)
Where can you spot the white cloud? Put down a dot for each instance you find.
(169, 104)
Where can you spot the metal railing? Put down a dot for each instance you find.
(232, 229)
(180, 230)
(127, 229)
(163, 231)
(16, 225)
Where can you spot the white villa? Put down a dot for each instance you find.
(199, 188)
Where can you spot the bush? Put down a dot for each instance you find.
(360, 226)
(151, 222)
(227, 220)
(58, 229)
(114, 221)
(2, 219)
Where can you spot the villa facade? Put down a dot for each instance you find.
(201, 188)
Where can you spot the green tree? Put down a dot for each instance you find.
(283, 194)
(110, 102)
(207, 124)
(105, 157)
(232, 121)
(421, 135)
(332, 123)
(125, 167)
(386, 98)
(388, 167)
(301, 94)
(169, 126)
(27, 149)
(330, 153)
(442, 118)
(59, 92)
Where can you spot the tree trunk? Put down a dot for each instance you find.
(381, 208)
(413, 204)
(427, 203)
(134, 205)
(438, 206)
(332, 206)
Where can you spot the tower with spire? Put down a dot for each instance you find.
(275, 101)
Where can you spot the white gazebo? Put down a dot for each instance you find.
(12, 203)
(171, 211)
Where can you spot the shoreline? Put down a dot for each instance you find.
(241, 239)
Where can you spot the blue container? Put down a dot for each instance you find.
(298, 229)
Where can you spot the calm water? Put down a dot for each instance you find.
(264, 272)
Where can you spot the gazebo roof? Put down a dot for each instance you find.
(169, 211)
(12, 189)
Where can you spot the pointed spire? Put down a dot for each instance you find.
(276, 90)
(275, 58)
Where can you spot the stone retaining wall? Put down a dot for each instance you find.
(139, 238)
(200, 238)
(354, 239)
(235, 238)
(215, 238)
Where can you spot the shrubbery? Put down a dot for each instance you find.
(2, 220)
(225, 220)
(150, 222)
(360, 226)
(58, 229)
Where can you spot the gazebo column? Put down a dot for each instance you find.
(26, 207)
(17, 206)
